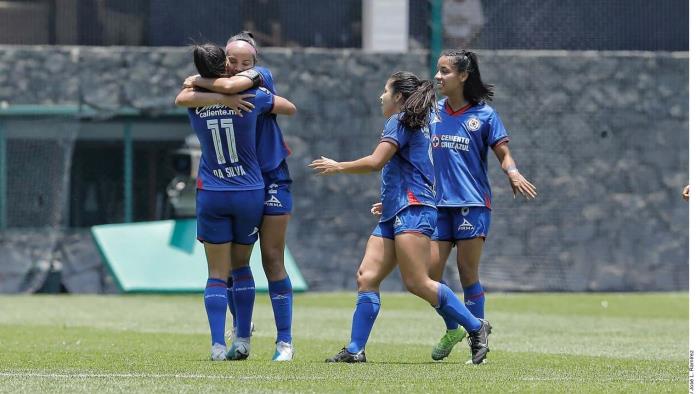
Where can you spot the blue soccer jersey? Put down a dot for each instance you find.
(460, 150)
(228, 144)
(408, 177)
(270, 148)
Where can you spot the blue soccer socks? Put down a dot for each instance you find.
(475, 299)
(281, 300)
(244, 294)
(452, 308)
(230, 301)
(366, 310)
(450, 323)
(215, 300)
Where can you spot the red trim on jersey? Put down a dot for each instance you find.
(487, 200)
(460, 111)
(412, 200)
(390, 140)
(199, 183)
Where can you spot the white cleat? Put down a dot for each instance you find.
(218, 352)
(240, 349)
(284, 352)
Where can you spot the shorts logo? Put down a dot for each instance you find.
(465, 211)
(397, 221)
(254, 232)
(273, 202)
(272, 189)
(436, 141)
(465, 226)
(473, 123)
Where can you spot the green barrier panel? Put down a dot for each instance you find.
(163, 256)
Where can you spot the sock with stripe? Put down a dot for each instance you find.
(244, 294)
(215, 300)
(453, 308)
(475, 299)
(366, 310)
(450, 323)
(281, 300)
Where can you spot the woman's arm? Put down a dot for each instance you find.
(518, 182)
(283, 106)
(231, 85)
(374, 162)
(191, 98)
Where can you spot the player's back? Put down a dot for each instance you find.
(228, 144)
(408, 177)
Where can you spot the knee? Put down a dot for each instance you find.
(415, 286)
(273, 261)
(366, 280)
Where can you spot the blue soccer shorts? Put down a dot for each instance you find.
(460, 223)
(412, 219)
(229, 216)
(278, 200)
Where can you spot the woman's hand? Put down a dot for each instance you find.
(376, 209)
(521, 185)
(189, 82)
(326, 166)
(685, 193)
(238, 102)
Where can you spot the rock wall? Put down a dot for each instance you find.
(603, 135)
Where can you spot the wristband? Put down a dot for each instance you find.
(510, 170)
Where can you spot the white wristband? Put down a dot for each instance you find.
(510, 170)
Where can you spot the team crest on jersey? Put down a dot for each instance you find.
(473, 123)
(436, 141)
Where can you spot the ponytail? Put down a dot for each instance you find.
(475, 90)
(419, 98)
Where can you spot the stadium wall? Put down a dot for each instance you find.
(603, 135)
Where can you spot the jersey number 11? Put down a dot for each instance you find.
(214, 128)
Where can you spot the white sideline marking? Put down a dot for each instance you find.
(142, 375)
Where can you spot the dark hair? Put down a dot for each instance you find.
(475, 90)
(209, 60)
(419, 98)
(247, 37)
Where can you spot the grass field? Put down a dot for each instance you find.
(633, 343)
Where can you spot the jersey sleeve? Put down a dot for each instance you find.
(394, 133)
(266, 78)
(496, 131)
(263, 101)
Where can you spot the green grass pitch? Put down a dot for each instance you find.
(632, 343)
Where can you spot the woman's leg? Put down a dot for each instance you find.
(215, 295)
(379, 260)
(468, 258)
(272, 238)
(412, 254)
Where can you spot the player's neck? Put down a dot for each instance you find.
(457, 103)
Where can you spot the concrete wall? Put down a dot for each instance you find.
(603, 135)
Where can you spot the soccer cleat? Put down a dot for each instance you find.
(469, 362)
(344, 356)
(284, 352)
(230, 334)
(240, 349)
(478, 341)
(447, 342)
(218, 352)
